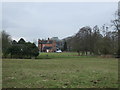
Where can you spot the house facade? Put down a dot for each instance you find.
(47, 45)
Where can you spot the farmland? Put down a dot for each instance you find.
(60, 70)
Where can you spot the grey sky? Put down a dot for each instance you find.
(42, 20)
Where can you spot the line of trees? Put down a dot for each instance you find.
(20, 49)
(97, 41)
(93, 42)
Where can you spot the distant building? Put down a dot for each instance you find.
(59, 43)
(47, 45)
(50, 45)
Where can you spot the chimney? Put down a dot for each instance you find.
(48, 38)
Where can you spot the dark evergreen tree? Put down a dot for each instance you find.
(23, 49)
(65, 46)
(21, 41)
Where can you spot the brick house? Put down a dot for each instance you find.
(47, 45)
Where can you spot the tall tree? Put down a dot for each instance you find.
(65, 46)
(6, 42)
(116, 24)
(96, 38)
(84, 39)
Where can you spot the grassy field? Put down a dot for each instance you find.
(73, 72)
(60, 55)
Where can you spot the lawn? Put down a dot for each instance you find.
(61, 55)
(78, 72)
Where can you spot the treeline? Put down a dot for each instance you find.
(20, 49)
(94, 41)
(97, 41)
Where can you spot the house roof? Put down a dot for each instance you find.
(46, 42)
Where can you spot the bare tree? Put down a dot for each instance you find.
(116, 24)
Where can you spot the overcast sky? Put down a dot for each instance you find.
(53, 19)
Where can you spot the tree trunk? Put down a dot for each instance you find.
(11, 55)
(78, 53)
(118, 44)
(86, 53)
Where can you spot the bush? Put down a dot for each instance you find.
(22, 49)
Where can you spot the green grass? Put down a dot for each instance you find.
(60, 55)
(78, 72)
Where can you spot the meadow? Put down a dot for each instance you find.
(60, 55)
(60, 70)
